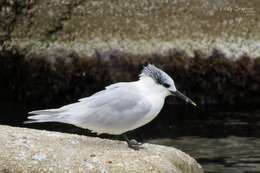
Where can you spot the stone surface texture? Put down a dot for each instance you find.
(28, 150)
(136, 26)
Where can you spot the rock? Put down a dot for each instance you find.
(28, 150)
(131, 26)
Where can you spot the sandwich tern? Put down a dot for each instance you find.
(119, 108)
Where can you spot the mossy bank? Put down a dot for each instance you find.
(57, 79)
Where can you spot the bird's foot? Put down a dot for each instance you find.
(134, 144)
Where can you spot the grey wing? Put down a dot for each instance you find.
(114, 111)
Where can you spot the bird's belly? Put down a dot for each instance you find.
(156, 108)
(119, 126)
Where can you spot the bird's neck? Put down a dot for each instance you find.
(149, 87)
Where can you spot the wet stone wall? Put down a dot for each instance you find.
(54, 52)
(212, 79)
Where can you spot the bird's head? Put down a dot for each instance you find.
(163, 82)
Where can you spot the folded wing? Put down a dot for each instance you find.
(114, 110)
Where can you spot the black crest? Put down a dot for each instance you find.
(155, 73)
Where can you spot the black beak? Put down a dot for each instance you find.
(182, 96)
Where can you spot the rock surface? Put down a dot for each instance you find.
(131, 26)
(27, 150)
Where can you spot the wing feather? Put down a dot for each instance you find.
(116, 110)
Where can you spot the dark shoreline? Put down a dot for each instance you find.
(209, 80)
(222, 88)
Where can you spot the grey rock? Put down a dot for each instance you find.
(28, 150)
(131, 26)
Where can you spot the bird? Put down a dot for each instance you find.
(119, 108)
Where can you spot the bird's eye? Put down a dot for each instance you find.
(166, 85)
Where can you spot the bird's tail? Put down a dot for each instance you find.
(47, 115)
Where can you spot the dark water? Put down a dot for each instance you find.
(230, 154)
(223, 140)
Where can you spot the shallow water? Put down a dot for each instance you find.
(220, 155)
(221, 141)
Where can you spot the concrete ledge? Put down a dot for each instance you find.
(28, 150)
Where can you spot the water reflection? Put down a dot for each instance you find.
(222, 141)
(220, 155)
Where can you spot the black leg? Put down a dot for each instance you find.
(132, 143)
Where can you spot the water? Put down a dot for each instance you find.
(231, 154)
(221, 140)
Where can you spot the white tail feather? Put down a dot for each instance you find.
(46, 111)
(47, 115)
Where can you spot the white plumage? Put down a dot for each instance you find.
(119, 108)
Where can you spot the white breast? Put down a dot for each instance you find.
(155, 94)
(157, 103)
